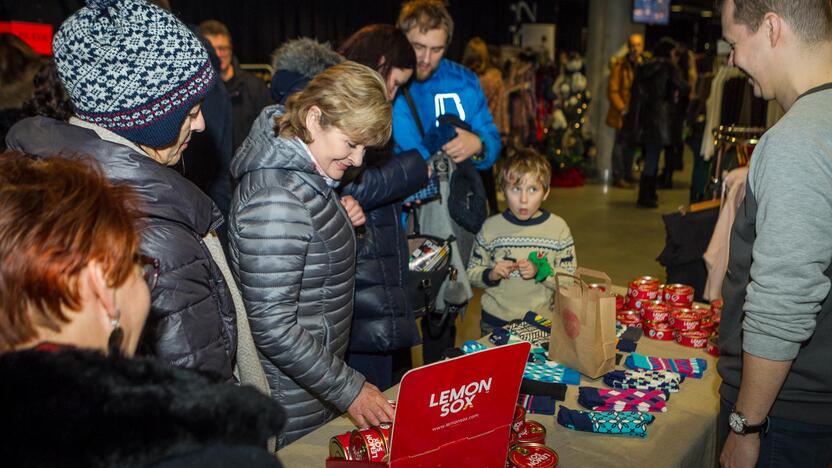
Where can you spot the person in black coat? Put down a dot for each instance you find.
(656, 89)
(383, 321)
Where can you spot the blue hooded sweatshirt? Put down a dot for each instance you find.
(452, 89)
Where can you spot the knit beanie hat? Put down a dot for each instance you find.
(132, 68)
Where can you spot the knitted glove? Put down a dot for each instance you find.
(644, 380)
(436, 137)
(688, 367)
(604, 399)
(537, 404)
(551, 372)
(629, 423)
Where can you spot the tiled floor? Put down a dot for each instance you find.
(611, 234)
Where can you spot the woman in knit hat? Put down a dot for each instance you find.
(292, 243)
(136, 77)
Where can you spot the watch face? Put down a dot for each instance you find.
(736, 422)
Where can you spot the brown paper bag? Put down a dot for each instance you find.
(583, 324)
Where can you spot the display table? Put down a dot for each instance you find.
(684, 436)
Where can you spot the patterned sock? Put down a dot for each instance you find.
(538, 404)
(556, 391)
(629, 423)
(499, 336)
(534, 334)
(644, 380)
(538, 320)
(472, 346)
(689, 367)
(551, 371)
(604, 399)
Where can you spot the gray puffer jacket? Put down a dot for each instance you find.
(293, 252)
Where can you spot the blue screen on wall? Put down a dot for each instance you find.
(651, 11)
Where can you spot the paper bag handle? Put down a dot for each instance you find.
(581, 272)
(558, 275)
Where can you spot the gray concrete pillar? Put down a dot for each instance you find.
(610, 24)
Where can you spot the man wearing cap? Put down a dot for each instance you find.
(136, 77)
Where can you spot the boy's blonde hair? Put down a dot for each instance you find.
(351, 97)
(526, 162)
(426, 15)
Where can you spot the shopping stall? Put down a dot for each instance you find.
(679, 431)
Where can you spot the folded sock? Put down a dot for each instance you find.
(632, 334)
(536, 388)
(538, 404)
(604, 399)
(644, 380)
(626, 346)
(629, 423)
(472, 346)
(551, 371)
(689, 367)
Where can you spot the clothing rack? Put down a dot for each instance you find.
(726, 138)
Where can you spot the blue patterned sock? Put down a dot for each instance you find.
(629, 423)
(537, 404)
(551, 371)
(472, 346)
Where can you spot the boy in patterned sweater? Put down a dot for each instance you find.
(517, 252)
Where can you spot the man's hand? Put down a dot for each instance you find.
(740, 451)
(501, 270)
(354, 210)
(465, 145)
(528, 270)
(371, 407)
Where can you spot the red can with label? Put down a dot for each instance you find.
(339, 446)
(678, 295)
(656, 311)
(716, 307)
(658, 331)
(707, 324)
(628, 316)
(713, 346)
(519, 418)
(369, 444)
(684, 320)
(532, 455)
(693, 338)
(532, 432)
(701, 309)
(644, 288)
(619, 302)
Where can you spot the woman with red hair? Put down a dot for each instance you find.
(74, 297)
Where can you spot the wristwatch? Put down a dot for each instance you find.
(739, 424)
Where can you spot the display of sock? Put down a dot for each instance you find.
(644, 380)
(629, 399)
(472, 346)
(536, 319)
(551, 371)
(538, 404)
(628, 423)
(689, 367)
(534, 334)
(556, 391)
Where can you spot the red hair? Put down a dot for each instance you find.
(56, 216)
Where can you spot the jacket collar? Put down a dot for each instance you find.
(164, 193)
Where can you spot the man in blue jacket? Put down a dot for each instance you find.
(442, 87)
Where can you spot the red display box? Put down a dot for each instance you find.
(456, 412)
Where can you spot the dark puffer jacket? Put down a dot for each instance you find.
(656, 90)
(78, 408)
(192, 322)
(293, 253)
(383, 319)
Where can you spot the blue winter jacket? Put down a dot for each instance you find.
(452, 89)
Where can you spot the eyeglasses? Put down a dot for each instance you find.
(150, 269)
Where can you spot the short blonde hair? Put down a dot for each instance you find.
(527, 162)
(351, 97)
(426, 15)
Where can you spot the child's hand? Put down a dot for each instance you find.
(528, 270)
(501, 270)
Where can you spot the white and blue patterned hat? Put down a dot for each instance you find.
(132, 68)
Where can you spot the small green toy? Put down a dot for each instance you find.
(544, 270)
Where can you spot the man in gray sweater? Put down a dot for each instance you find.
(776, 332)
